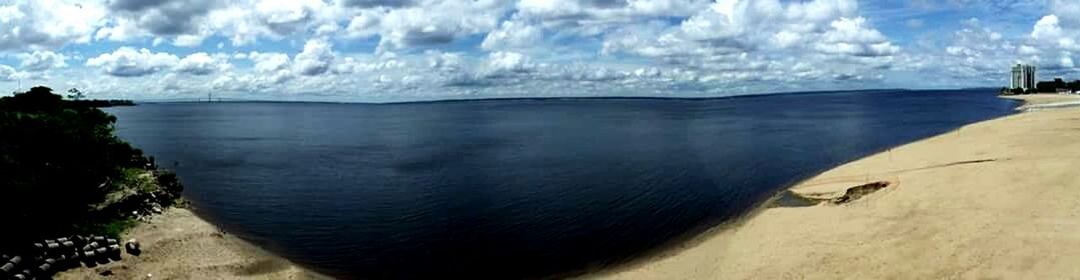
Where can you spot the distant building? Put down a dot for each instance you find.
(1023, 76)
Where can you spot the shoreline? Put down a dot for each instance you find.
(937, 217)
(178, 244)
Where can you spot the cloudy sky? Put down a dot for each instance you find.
(393, 50)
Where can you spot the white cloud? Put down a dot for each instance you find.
(41, 61)
(47, 23)
(500, 63)
(445, 61)
(269, 62)
(512, 35)
(852, 37)
(434, 23)
(7, 73)
(202, 64)
(164, 17)
(128, 62)
(743, 41)
(315, 59)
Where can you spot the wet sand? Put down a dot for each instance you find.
(998, 199)
(179, 245)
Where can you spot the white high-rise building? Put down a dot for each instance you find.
(1023, 76)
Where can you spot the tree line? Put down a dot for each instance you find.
(1046, 87)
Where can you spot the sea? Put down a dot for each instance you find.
(515, 188)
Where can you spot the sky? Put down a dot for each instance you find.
(402, 50)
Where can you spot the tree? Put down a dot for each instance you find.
(57, 159)
(1018, 91)
(75, 94)
(1046, 86)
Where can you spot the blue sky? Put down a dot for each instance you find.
(396, 50)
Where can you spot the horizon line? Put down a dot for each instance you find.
(447, 100)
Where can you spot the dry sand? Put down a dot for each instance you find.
(993, 200)
(179, 245)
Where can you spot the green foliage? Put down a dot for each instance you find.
(1058, 83)
(57, 159)
(114, 228)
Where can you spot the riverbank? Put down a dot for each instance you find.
(995, 199)
(177, 244)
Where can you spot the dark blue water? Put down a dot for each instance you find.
(513, 188)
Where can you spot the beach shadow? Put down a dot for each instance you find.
(788, 199)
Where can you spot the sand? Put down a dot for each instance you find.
(998, 199)
(179, 245)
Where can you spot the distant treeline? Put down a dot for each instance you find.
(102, 103)
(1055, 86)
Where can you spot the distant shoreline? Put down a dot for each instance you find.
(484, 99)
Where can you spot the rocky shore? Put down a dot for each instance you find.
(177, 244)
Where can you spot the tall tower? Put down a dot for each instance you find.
(1023, 77)
(1014, 79)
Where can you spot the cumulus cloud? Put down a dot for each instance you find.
(47, 23)
(853, 37)
(164, 17)
(41, 61)
(500, 63)
(435, 22)
(7, 73)
(512, 35)
(492, 47)
(378, 3)
(202, 64)
(604, 13)
(129, 62)
(315, 59)
(738, 40)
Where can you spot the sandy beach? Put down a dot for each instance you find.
(179, 245)
(998, 199)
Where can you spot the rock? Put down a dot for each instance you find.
(19, 276)
(16, 260)
(52, 246)
(68, 244)
(7, 268)
(51, 260)
(132, 247)
(111, 241)
(45, 268)
(101, 251)
(106, 273)
(98, 238)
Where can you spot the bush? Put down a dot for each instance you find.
(57, 160)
